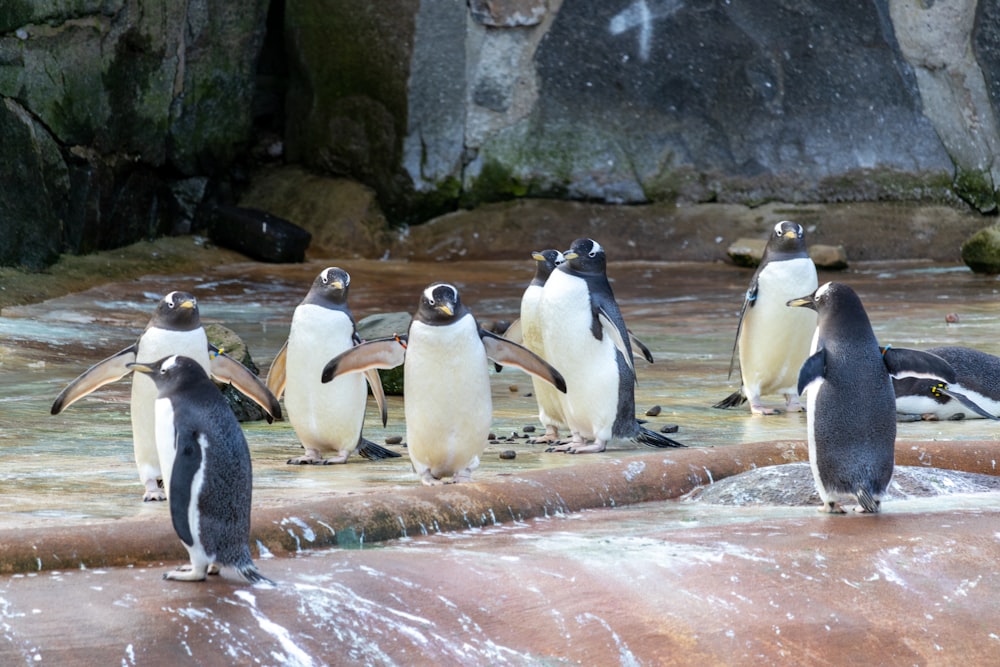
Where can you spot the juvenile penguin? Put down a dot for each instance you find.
(327, 417)
(175, 328)
(851, 409)
(586, 338)
(447, 395)
(772, 339)
(547, 397)
(975, 394)
(212, 481)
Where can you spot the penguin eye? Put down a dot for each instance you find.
(324, 279)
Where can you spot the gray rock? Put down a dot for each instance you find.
(229, 342)
(981, 251)
(828, 257)
(746, 252)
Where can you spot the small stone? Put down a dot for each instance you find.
(981, 251)
(393, 439)
(653, 411)
(508, 454)
(670, 428)
(491, 436)
(951, 318)
(828, 257)
(512, 388)
(528, 429)
(746, 252)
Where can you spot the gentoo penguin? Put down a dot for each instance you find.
(447, 395)
(547, 396)
(327, 417)
(851, 409)
(212, 481)
(974, 394)
(586, 338)
(175, 328)
(772, 339)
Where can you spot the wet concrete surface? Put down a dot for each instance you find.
(547, 558)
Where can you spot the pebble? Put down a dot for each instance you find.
(951, 318)
(528, 429)
(512, 388)
(653, 411)
(394, 439)
(508, 454)
(670, 428)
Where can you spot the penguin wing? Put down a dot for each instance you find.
(966, 401)
(276, 374)
(639, 345)
(502, 351)
(813, 370)
(375, 382)
(187, 462)
(102, 373)
(611, 328)
(748, 301)
(903, 362)
(226, 369)
(377, 353)
(514, 332)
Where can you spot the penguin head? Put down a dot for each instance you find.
(586, 256)
(177, 311)
(546, 262)
(170, 373)
(330, 287)
(440, 304)
(835, 302)
(787, 239)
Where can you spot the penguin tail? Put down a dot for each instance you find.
(654, 439)
(867, 501)
(734, 400)
(374, 452)
(251, 574)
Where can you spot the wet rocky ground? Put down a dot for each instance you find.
(618, 558)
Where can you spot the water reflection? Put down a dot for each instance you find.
(79, 465)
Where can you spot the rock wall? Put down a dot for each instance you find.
(120, 118)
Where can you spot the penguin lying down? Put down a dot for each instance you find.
(212, 480)
(974, 394)
(448, 404)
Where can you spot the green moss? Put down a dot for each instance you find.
(981, 252)
(496, 182)
(976, 187)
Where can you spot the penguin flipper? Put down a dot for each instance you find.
(514, 333)
(611, 330)
(734, 400)
(103, 372)
(967, 402)
(375, 452)
(813, 370)
(276, 374)
(377, 353)
(226, 369)
(638, 344)
(748, 301)
(375, 382)
(502, 351)
(903, 362)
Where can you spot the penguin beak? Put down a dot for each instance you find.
(445, 309)
(187, 304)
(808, 301)
(538, 257)
(337, 284)
(569, 254)
(791, 234)
(141, 368)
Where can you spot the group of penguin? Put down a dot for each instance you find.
(793, 338)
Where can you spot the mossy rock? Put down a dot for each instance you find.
(230, 343)
(981, 252)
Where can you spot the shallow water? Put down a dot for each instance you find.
(78, 466)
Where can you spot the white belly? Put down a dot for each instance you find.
(447, 399)
(327, 417)
(588, 365)
(155, 457)
(548, 397)
(775, 338)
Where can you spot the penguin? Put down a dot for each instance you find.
(447, 398)
(212, 481)
(548, 398)
(772, 339)
(851, 408)
(327, 417)
(586, 338)
(975, 394)
(175, 328)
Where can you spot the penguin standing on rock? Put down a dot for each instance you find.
(212, 481)
(772, 339)
(327, 418)
(586, 338)
(175, 328)
(447, 393)
(851, 408)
